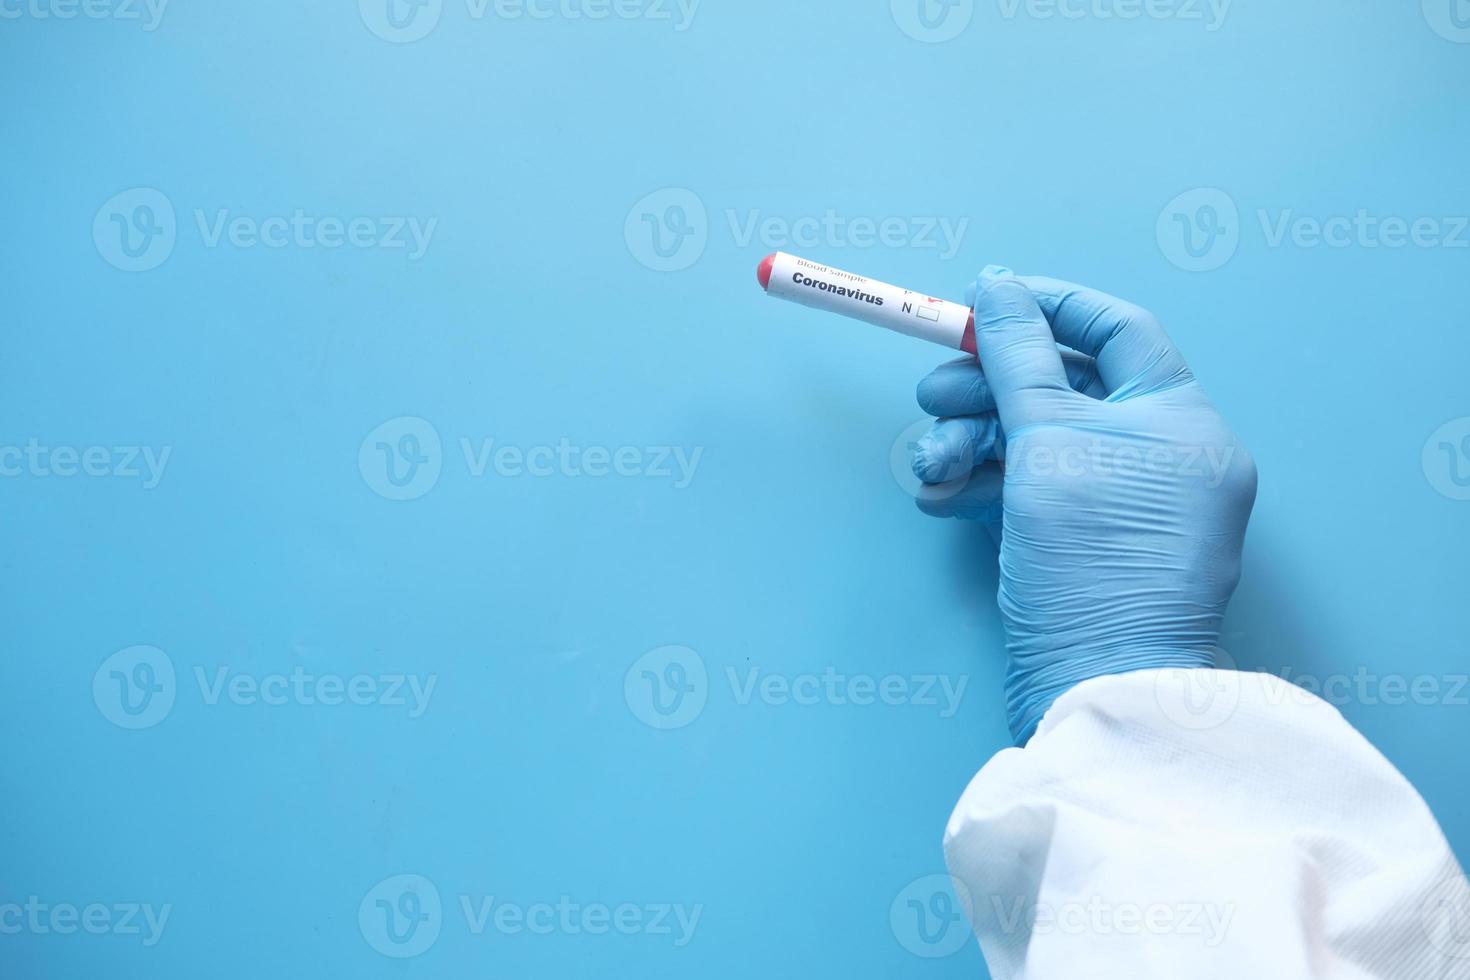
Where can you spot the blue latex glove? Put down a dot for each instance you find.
(1122, 500)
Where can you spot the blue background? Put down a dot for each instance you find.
(533, 318)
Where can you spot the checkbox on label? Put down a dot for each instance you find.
(927, 312)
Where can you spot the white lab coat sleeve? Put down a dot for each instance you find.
(1202, 824)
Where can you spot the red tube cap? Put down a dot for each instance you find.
(763, 271)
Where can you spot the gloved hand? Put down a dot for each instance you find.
(1122, 500)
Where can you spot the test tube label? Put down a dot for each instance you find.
(892, 307)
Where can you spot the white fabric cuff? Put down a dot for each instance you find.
(1204, 823)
